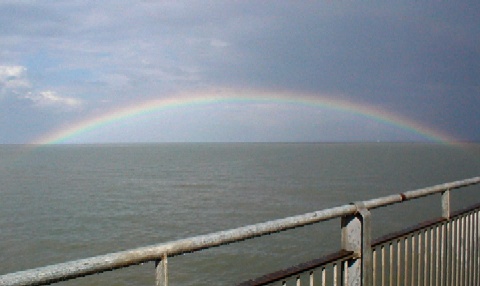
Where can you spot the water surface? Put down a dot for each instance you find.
(68, 202)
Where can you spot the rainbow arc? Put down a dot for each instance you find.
(217, 97)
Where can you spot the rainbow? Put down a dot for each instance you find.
(222, 96)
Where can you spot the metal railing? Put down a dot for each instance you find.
(438, 252)
(454, 236)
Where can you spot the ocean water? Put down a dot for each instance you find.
(66, 202)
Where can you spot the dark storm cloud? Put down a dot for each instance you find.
(419, 59)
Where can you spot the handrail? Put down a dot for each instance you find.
(83, 267)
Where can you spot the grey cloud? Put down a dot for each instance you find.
(414, 58)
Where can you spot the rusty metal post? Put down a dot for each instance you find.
(356, 237)
(161, 271)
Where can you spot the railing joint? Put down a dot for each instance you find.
(161, 271)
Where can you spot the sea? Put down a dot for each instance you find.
(66, 202)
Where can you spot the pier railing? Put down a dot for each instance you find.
(443, 251)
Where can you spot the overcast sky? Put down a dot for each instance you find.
(62, 62)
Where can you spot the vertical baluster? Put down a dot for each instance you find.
(419, 254)
(399, 266)
(345, 273)
(374, 264)
(444, 270)
(451, 254)
(324, 277)
(467, 252)
(405, 245)
(432, 254)
(413, 260)
(452, 257)
(437, 254)
(335, 274)
(425, 257)
(453, 247)
(459, 249)
(475, 248)
(311, 278)
(472, 247)
(446, 227)
(390, 258)
(462, 249)
(383, 264)
(458, 262)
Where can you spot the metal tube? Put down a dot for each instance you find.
(439, 188)
(335, 274)
(446, 254)
(374, 265)
(324, 277)
(437, 255)
(390, 258)
(399, 253)
(472, 247)
(419, 270)
(383, 264)
(468, 256)
(413, 260)
(475, 248)
(462, 250)
(88, 266)
(458, 262)
(414, 194)
(454, 251)
(471, 250)
(425, 257)
(433, 254)
(405, 250)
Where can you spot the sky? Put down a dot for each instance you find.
(239, 71)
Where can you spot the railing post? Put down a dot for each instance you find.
(161, 271)
(356, 237)
(446, 204)
(446, 253)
